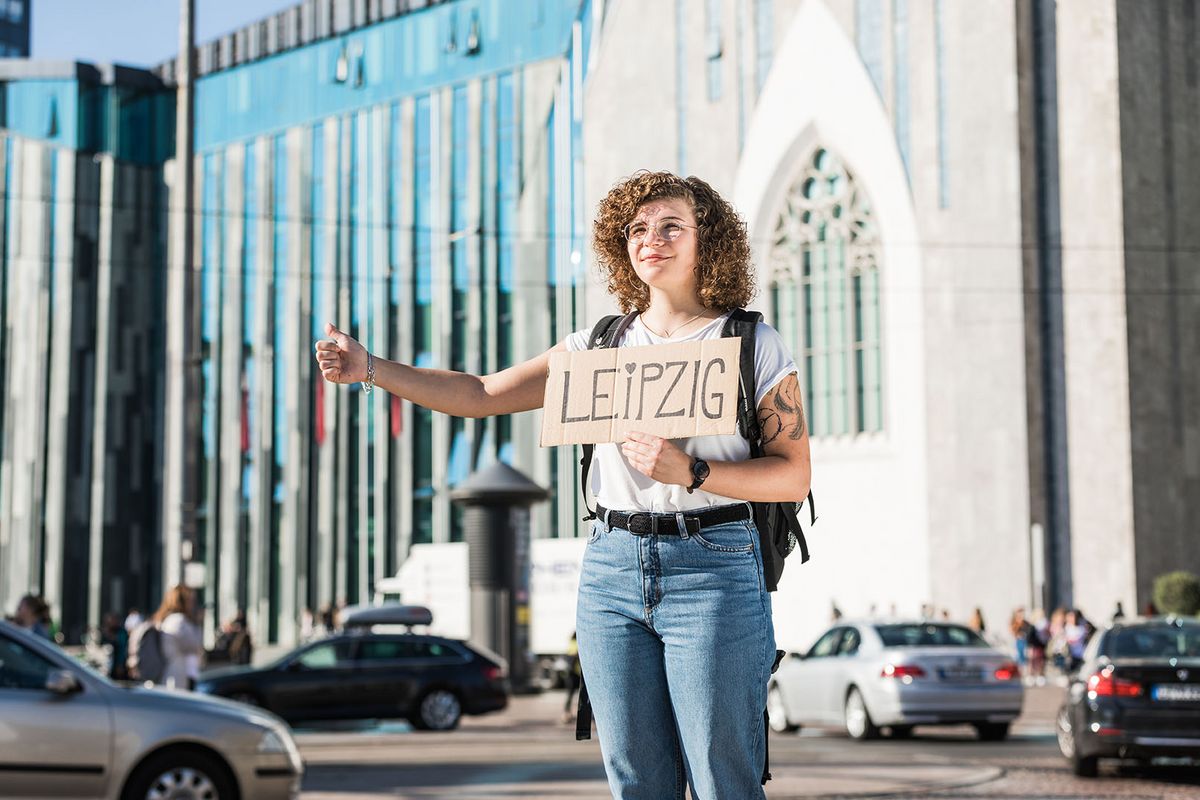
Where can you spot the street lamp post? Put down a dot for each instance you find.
(190, 317)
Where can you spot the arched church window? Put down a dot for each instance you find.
(824, 268)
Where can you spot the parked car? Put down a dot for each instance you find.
(1136, 695)
(68, 731)
(371, 673)
(868, 676)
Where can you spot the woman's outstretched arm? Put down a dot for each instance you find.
(521, 387)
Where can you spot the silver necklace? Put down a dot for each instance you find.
(669, 334)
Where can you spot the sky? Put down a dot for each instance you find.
(133, 32)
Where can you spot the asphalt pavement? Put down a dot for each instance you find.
(527, 752)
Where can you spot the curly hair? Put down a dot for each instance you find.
(725, 276)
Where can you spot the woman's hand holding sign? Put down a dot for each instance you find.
(657, 458)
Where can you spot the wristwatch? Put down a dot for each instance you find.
(699, 473)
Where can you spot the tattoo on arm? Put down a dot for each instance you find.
(787, 416)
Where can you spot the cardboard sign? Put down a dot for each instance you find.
(670, 390)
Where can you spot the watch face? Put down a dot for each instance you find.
(700, 469)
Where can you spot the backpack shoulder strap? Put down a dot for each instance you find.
(743, 324)
(607, 331)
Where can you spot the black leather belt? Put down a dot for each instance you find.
(646, 523)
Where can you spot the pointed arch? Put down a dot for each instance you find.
(819, 98)
(823, 266)
(820, 103)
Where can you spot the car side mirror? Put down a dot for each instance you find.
(61, 681)
(294, 666)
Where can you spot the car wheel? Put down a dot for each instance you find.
(1085, 766)
(992, 731)
(901, 731)
(1082, 766)
(1063, 730)
(183, 775)
(777, 712)
(858, 718)
(439, 710)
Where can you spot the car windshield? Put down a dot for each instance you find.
(1151, 641)
(928, 635)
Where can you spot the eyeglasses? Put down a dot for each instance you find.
(666, 229)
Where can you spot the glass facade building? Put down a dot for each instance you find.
(83, 238)
(408, 171)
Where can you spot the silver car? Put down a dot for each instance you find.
(67, 731)
(867, 676)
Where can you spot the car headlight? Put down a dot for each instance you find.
(272, 742)
(275, 741)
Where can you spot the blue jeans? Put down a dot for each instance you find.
(676, 644)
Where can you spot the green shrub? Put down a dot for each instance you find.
(1177, 593)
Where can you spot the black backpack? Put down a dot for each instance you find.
(778, 524)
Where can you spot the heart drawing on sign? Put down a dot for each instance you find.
(630, 368)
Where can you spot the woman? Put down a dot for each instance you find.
(674, 628)
(182, 641)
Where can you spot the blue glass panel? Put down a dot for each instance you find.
(764, 30)
(250, 249)
(317, 229)
(460, 276)
(394, 194)
(713, 46)
(279, 278)
(210, 299)
(506, 175)
(356, 227)
(900, 70)
(551, 201)
(681, 88)
(422, 234)
(460, 459)
(402, 56)
(869, 25)
(943, 129)
(47, 110)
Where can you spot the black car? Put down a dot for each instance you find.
(430, 680)
(1136, 696)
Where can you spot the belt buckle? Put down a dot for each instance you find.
(633, 515)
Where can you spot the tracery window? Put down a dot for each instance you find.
(824, 267)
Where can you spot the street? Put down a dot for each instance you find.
(525, 752)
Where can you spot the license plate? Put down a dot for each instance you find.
(959, 674)
(1169, 693)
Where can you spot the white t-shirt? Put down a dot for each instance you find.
(619, 487)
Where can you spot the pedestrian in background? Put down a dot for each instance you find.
(975, 623)
(114, 636)
(1035, 646)
(33, 615)
(235, 639)
(1075, 632)
(680, 685)
(182, 641)
(1018, 628)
